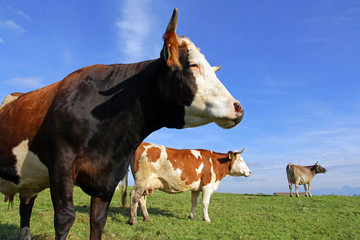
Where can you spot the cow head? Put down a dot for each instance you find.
(195, 85)
(318, 168)
(238, 165)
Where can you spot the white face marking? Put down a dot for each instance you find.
(196, 153)
(239, 167)
(213, 183)
(212, 102)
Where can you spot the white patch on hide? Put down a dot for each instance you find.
(9, 98)
(196, 153)
(198, 170)
(33, 173)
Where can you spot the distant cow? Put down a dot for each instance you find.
(85, 128)
(302, 175)
(176, 171)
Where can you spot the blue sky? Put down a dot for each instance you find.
(294, 66)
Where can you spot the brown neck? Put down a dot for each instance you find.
(311, 170)
(224, 164)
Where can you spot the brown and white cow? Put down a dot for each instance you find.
(85, 128)
(302, 175)
(177, 171)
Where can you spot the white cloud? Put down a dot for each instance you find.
(26, 82)
(21, 13)
(12, 25)
(1, 41)
(134, 29)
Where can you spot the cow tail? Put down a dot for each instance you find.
(290, 173)
(124, 190)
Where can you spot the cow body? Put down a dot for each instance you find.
(84, 129)
(176, 171)
(302, 175)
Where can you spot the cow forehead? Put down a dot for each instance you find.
(238, 156)
(195, 56)
(194, 51)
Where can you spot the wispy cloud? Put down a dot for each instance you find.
(26, 82)
(1, 41)
(9, 24)
(134, 29)
(17, 12)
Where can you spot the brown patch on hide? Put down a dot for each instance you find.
(153, 154)
(137, 155)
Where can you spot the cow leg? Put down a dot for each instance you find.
(61, 188)
(290, 187)
(309, 187)
(306, 193)
(98, 216)
(143, 208)
(64, 211)
(297, 189)
(135, 196)
(206, 194)
(194, 202)
(25, 215)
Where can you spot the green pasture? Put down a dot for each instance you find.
(233, 216)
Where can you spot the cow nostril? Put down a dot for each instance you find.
(250, 172)
(238, 107)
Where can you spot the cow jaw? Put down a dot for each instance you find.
(212, 101)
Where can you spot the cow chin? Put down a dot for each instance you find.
(228, 123)
(195, 121)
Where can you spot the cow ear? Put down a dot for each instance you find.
(231, 155)
(170, 51)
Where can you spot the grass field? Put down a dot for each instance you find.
(234, 216)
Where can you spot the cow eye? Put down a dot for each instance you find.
(195, 65)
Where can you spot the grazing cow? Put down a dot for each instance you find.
(302, 175)
(85, 128)
(175, 171)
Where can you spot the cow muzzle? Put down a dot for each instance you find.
(235, 118)
(239, 112)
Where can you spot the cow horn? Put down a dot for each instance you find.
(216, 68)
(242, 150)
(173, 21)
